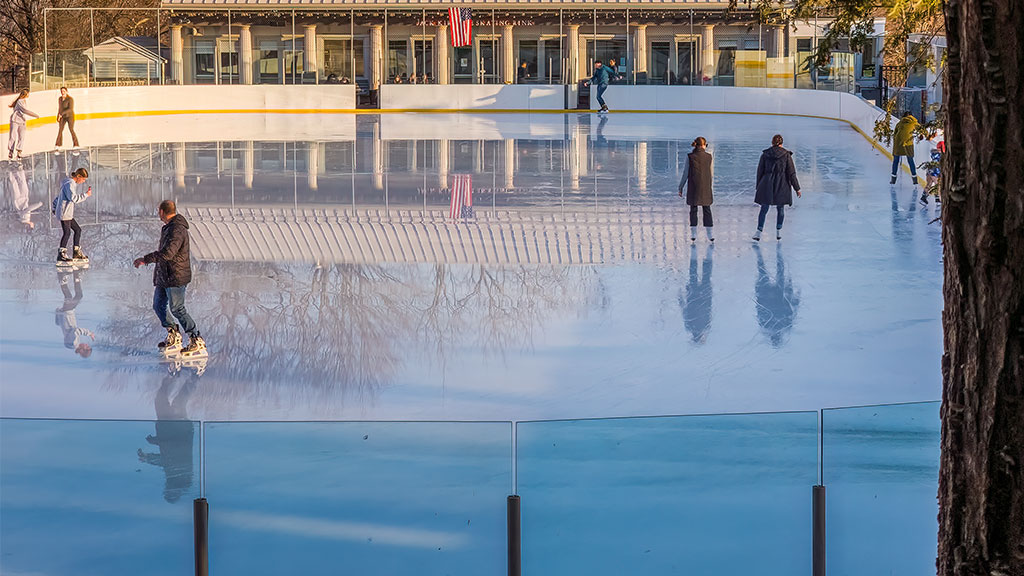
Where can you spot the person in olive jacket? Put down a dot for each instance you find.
(903, 145)
(776, 180)
(698, 172)
(171, 277)
(66, 115)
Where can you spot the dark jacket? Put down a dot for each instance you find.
(66, 108)
(173, 267)
(601, 76)
(776, 178)
(697, 178)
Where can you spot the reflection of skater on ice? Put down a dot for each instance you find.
(697, 304)
(174, 432)
(776, 299)
(19, 191)
(65, 316)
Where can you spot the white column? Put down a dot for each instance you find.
(707, 51)
(376, 56)
(312, 164)
(640, 49)
(248, 163)
(179, 164)
(310, 63)
(442, 163)
(510, 163)
(573, 39)
(641, 166)
(778, 42)
(177, 57)
(508, 72)
(378, 158)
(441, 59)
(245, 54)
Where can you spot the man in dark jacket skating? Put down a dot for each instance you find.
(171, 277)
(602, 76)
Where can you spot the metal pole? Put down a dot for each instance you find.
(92, 38)
(159, 48)
(294, 61)
(352, 51)
(818, 536)
(45, 53)
(515, 545)
(201, 525)
(230, 47)
(693, 50)
(628, 51)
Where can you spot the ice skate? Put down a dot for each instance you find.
(196, 348)
(924, 198)
(78, 256)
(171, 344)
(693, 233)
(711, 233)
(778, 234)
(757, 235)
(892, 180)
(62, 258)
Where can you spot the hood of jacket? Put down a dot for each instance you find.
(178, 220)
(777, 152)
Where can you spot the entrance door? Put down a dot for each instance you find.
(686, 62)
(487, 71)
(659, 70)
(462, 64)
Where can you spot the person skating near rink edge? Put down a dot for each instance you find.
(776, 181)
(64, 208)
(171, 277)
(602, 76)
(903, 145)
(65, 115)
(16, 143)
(698, 173)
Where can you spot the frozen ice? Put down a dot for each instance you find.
(334, 279)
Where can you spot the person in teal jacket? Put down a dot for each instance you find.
(602, 76)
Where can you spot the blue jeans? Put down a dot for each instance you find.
(600, 93)
(780, 216)
(174, 298)
(896, 165)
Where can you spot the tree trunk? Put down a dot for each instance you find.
(981, 476)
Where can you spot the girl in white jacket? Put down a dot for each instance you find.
(16, 142)
(64, 208)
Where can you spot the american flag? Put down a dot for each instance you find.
(462, 196)
(461, 20)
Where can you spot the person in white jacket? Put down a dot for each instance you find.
(16, 142)
(64, 208)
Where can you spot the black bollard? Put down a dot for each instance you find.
(515, 544)
(818, 530)
(201, 522)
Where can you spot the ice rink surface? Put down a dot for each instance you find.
(336, 278)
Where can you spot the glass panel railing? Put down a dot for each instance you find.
(359, 497)
(881, 468)
(684, 495)
(97, 497)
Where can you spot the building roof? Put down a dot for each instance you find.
(142, 46)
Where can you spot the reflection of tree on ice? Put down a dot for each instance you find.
(174, 433)
(65, 315)
(776, 300)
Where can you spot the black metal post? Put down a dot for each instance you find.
(515, 544)
(818, 536)
(201, 522)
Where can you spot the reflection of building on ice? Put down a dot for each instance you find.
(19, 194)
(462, 197)
(65, 315)
(174, 431)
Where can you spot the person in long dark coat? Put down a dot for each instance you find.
(698, 172)
(776, 181)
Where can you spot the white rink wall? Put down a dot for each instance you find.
(171, 113)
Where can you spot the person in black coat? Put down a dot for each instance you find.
(776, 180)
(698, 173)
(171, 276)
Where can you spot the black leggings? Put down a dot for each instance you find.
(67, 227)
(708, 221)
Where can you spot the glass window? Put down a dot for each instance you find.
(726, 69)
(488, 70)
(204, 72)
(359, 58)
(293, 61)
(462, 69)
(268, 65)
(227, 49)
(686, 61)
(398, 62)
(423, 60)
(337, 61)
(659, 70)
(607, 50)
(551, 60)
(526, 71)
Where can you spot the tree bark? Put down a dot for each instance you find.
(981, 476)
